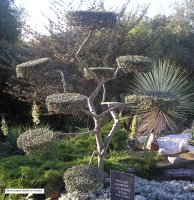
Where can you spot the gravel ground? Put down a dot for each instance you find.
(172, 143)
(145, 190)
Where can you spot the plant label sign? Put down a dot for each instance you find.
(122, 186)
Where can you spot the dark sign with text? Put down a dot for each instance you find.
(122, 186)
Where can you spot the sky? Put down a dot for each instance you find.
(35, 8)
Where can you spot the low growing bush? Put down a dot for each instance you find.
(39, 170)
(143, 163)
(119, 140)
(46, 169)
(34, 171)
(87, 143)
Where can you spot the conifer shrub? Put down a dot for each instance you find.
(66, 103)
(39, 139)
(134, 63)
(83, 178)
(91, 20)
(101, 72)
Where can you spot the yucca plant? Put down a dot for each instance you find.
(172, 96)
(9, 147)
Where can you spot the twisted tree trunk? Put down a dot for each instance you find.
(102, 146)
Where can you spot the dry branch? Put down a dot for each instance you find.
(84, 65)
(59, 134)
(113, 130)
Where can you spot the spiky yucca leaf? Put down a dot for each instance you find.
(165, 78)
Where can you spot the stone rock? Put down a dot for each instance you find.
(181, 172)
(139, 197)
(170, 152)
(183, 146)
(141, 139)
(175, 143)
(174, 159)
(187, 156)
(162, 151)
(139, 147)
(154, 147)
(149, 141)
(151, 144)
(54, 195)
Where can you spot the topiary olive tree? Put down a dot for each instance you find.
(90, 22)
(64, 102)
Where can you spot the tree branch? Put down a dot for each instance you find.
(113, 130)
(82, 63)
(116, 72)
(74, 134)
(104, 93)
(92, 97)
(109, 79)
(124, 7)
(139, 18)
(87, 112)
(93, 154)
(63, 80)
(114, 106)
(83, 45)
